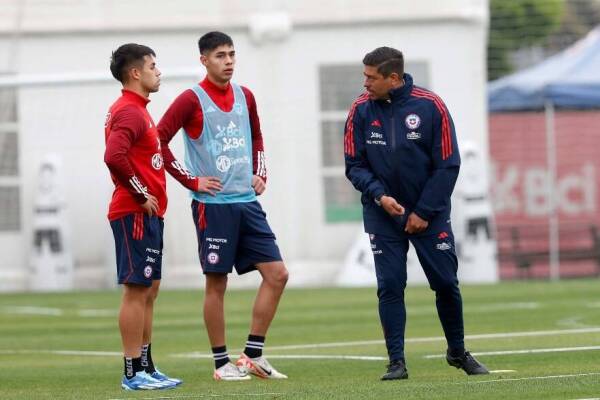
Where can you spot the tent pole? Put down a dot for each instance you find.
(553, 232)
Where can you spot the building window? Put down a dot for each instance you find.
(339, 86)
(9, 155)
(10, 212)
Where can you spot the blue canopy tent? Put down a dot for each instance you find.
(568, 80)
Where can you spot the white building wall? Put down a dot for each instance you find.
(68, 120)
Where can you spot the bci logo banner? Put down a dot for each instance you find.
(525, 190)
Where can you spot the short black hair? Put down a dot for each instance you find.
(212, 40)
(387, 60)
(125, 57)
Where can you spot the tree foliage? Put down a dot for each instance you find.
(516, 24)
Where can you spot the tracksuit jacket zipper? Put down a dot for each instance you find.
(393, 127)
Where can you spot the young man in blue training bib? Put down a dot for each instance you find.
(225, 172)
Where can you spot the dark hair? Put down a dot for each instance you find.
(127, 56)
(212, 40)
(387, 60)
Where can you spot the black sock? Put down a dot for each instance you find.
(131, 366)
(147, 362)
(220, 355)
(254, 346)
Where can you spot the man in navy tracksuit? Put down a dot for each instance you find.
(401, 153)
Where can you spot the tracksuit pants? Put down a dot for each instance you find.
(438, 259)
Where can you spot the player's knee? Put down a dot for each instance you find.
(216, 284)
(135, 293)
(445, 286)
(278, 276)
(152, 296)
(283, 276)
(390, 293)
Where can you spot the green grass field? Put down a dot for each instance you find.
(42, 337)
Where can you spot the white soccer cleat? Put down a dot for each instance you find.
(259, 367)
(230, 372)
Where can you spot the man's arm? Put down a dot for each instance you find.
(358, 170)
(176, 116)
(126, 127)
(259, 168)
(446, 164)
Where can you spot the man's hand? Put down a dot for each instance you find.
(415, 224)
(151, 205)
(258, 184)
(391, 206)
(209, 184)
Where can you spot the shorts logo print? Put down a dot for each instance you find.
(212, 258)
(148, 271)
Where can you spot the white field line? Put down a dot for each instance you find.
(502, 371)
(57, 312)
(65, 352)
(295, 357)
(192, 355)
(97, 313)
(527, 351)
(349, 344)
(477, 309)
(37, 310)
(435, 339)
(573, 322)
(200, 396)
(33, 310)
(529, 378)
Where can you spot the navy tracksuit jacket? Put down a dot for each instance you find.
(405, 148)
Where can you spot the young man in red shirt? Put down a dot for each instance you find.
(224, 149)
(139, 201)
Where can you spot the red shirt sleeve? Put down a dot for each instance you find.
(258, 153)
(182, 113)
(127, 126)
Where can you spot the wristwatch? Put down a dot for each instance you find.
(378, 199)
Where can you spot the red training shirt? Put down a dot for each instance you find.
(133, 156)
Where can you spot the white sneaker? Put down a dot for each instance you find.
(259, 367)
(230, 372)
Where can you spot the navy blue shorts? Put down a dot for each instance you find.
(231, 235)
(138, 244)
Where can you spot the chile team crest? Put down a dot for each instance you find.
(412, 121)
(157, 161)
